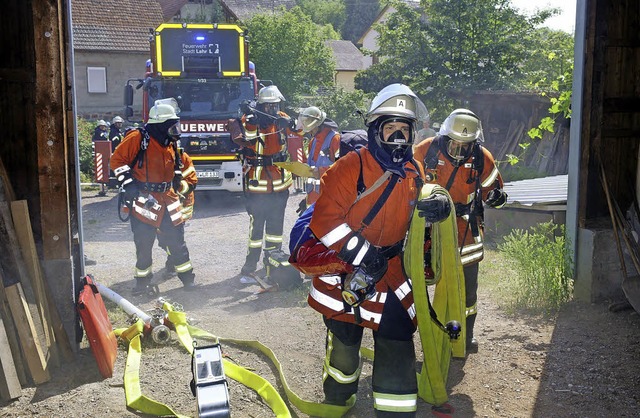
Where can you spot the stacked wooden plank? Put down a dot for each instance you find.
(32, 336)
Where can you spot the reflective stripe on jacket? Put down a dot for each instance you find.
(265, 178)
(336, 216)
(158, 166)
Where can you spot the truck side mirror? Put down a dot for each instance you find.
(128, 112)
(128, 95)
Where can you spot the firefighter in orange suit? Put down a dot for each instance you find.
(324, 147)
(148, 167)
(373, 249)
(187, 198)
(266, 186)
(455, 160)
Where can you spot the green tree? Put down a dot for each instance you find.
(289, 49)
(344, 107)
(85, 148)
(325, 12)
(550, 56)
(446, 47)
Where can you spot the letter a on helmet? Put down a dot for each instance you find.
(396, 100)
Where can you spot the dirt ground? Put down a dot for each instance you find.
(583, 362)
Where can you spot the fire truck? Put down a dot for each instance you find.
(206, 68)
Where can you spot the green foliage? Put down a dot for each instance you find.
(341, 106)
(551, 56)
(560, 104)
(541, 279)
(378, 76)
(325, 12)
(85, 147)
(288, 48)
(447, 47)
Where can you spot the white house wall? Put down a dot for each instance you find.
(120, 66)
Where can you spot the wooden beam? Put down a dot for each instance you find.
(6, 183)
(12, 336)
(55, 333)
(27, 332)
(9, 383)
(53, 152)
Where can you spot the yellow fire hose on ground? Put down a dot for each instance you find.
(448, 303)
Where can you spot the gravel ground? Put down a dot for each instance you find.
(583, 362)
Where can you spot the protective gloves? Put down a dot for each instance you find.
(177, 181)
(302, 206)
(234, 127)
(283, 123)
(244, 108)
(130, 191)
(435, 208)
(496, 198)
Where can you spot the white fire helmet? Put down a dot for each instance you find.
(396, 100)
(270, 94)
(464, 128)
(164, 110)
(310, 118)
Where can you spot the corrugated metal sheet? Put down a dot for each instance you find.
(545, 191)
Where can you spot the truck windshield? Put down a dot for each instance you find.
(204, 98)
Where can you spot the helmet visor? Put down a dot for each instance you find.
(458, 150)
(174, 130)
(271, 108)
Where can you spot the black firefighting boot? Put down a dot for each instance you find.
(188, 280)
(143, 286)
(472, 343)
(251, 262)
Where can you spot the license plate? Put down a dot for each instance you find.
(208, 174)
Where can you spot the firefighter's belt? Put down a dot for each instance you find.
(391, 251)
(263, 161)
(155, 187)
(448, 299)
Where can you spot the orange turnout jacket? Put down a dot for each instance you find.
(462, 190)
(158, 166)
(261, 176)
(336, 216)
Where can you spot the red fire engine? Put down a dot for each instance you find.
(206, 68)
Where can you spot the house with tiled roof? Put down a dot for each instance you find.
(369, 39)
(349, 60)
(244, 9)
(211, 11)
(111, 45)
